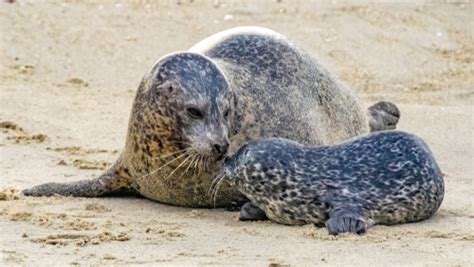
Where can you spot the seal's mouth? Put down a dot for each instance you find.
(221, 157)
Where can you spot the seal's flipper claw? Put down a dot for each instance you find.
(345, 217)
(250, 212)
(383, 115)
(341, 225)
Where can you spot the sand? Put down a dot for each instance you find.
(68, 74)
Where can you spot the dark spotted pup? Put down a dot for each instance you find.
(388, 177)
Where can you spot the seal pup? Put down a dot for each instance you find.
(194, 107)
(388, 177)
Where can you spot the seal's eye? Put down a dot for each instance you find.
(195, 113)
(226, 114)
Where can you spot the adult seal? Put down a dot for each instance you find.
(192, 108)
(388, 177)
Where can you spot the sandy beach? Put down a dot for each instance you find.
(68, 76)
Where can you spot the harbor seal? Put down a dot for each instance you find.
(192, 108)
(388, 177)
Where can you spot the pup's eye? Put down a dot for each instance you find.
(226, 114)
(195, 113)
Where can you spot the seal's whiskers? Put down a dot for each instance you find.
(130, 163)
(171, 154)
(218, 186)
(198, 164)
(214, 188)
(179, 166)
(215, 180)
(190, 162)
(166, 164)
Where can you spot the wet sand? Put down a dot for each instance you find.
(68, 74)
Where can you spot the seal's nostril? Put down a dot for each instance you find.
(221, 149)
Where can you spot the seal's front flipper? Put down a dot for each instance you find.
(383, 115)
(346, 220)
(111, 181)
(250, 212)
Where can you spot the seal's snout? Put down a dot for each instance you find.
(228, 172)
(229, 164)
(220, 149)
(233, 166)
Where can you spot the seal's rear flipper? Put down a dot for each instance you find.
(250, 212)
(346, 224)
(346, 220)
(383, 115)
(109, 182)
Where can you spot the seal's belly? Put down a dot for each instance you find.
(290, 213)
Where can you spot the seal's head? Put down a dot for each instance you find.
(229, 170)
(187, 103)
(234, 166)
(259, 161)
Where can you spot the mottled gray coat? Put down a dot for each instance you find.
(388, 177)
(248, 83)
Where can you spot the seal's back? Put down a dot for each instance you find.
(283, 91)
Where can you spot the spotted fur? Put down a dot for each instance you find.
(388, 177)
(249, 83)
